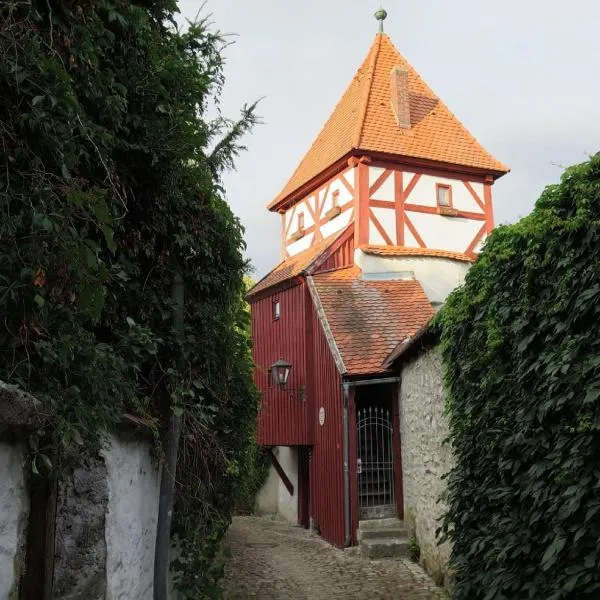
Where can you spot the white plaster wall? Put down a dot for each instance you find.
(302, 244)
(424, 193)
(438, 276)
(425, 459)
(288, 504)
(133, 488)
(273, 498)
(337, 223)
(14, 510)
(323, 197)
(386, 189)
(387, 219)
(267, 499)
(445, 233)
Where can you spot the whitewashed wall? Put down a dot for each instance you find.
(320, 202)
(14, 509)
(425, 459)
(438, 276)
(133, 493)
(273, 498)
(436, 231)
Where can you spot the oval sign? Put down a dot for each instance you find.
(321, 416)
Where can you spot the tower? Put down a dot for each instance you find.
(394, 162)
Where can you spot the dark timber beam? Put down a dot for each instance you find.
(286, 481)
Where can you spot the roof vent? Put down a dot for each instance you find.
(399, 96)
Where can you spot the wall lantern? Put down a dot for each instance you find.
(280, 373)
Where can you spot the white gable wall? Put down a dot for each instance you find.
(320, 202)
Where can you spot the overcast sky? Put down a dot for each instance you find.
(523, 76)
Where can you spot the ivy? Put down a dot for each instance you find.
(110, 182)
(521, 346)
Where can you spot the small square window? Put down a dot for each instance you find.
(335, 198)
(276, 310)
(444, 195)
(301, 220)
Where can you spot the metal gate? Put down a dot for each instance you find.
(375, 463)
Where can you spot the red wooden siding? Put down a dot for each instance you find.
(341, 257)
(327, 483)
(283, 420)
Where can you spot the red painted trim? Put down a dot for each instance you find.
(399, 205)
(362, 198)
(489, 207)
(431, 167)
(380, 228)
(435, 210)
(411, 186)
(346, 183)
(475, 195)
(414, 232)
(471, 249)
(382, 203)
(312, 228)
(341, 240)
(283, 236)
(397, 448)
(354, 511)
(379, 181)
(292, 216)
(444, 186)
(322, 205)
(382, 159)
(309, 208)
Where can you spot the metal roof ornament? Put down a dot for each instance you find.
(381, 16)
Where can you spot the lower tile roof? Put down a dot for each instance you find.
(404, 251)
(369, 318)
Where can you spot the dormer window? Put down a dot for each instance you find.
(300, 221)
(276, 310)
(444, 195)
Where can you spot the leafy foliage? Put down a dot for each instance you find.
(109, 185)
(521, 343)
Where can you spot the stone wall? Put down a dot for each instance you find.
(425, 459)
(105, 522)
(79, 542)
(14, 510)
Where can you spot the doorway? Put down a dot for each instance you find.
(377, 440)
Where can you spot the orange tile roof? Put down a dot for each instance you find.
(294, 265)
(364, 120)
(404, 251)
(369, 318)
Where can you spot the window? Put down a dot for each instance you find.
(276, 310)
(300, 220)
(444, 195)
(335, 198)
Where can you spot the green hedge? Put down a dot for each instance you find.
(521, 345)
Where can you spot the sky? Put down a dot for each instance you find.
(522, 76)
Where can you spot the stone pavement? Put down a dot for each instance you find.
(273, 560)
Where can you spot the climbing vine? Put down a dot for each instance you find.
(109, 184)
(521, 345)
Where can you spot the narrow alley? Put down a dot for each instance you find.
(272, 560)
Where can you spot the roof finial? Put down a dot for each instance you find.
(381, 16)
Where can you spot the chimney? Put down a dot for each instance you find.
(400, 97)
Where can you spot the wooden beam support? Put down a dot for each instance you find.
(279, 469)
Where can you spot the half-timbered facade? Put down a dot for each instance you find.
(379, 222)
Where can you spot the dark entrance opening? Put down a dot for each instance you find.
(376, 464)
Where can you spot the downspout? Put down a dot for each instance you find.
(346, 451)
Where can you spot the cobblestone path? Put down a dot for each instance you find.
(271, 560)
